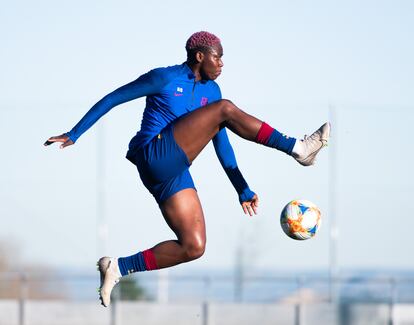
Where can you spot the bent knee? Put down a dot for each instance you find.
(195, 249)
(224, 101)
(227, 107)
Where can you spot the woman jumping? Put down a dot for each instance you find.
(184, 111)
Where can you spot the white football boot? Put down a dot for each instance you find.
(110, 275)
(309, 146)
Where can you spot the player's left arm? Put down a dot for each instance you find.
(247, 198)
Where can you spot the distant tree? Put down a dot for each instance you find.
(129, 289)
(8, 248)
(25, 281)
(9, 282)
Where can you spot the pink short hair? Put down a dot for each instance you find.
(201, 40)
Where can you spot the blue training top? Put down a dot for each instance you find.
(171, 92)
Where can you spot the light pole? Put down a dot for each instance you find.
(333, 233)
(101, 216)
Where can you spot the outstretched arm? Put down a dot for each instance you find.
(147, 84)
(248, 199)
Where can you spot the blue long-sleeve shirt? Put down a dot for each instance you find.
(170, 93)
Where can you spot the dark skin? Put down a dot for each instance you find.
(183, 211)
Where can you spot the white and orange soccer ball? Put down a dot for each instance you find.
(300, 219)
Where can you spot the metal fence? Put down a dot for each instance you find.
(28, 299)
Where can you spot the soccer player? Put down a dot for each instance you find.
(184, 111)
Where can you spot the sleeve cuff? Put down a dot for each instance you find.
(71, 136)
(246, 195)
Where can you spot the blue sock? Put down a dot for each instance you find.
(131, 264)
(281, 142)
(271, 137)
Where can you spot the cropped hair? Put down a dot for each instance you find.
(200, 41)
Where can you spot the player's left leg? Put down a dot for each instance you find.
(196, 129)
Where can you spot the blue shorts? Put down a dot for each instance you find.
(162, 165)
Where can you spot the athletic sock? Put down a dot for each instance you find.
(297, 149)
(270, 137)
(142, 261)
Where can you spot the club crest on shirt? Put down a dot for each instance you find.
(204, 101)
(179, 91)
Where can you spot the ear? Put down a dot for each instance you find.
(199, 56)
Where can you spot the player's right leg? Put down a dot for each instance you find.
(184, 215)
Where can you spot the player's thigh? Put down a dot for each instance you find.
(193, 131)
(184, 215)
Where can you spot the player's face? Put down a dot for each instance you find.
(212, 63)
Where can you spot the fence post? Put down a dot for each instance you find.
(393, 299)
(116, 297)
(205, 305)
(298, 304)
(22, 297)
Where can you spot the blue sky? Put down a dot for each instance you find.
(285, 62)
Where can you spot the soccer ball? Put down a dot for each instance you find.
(300, 219)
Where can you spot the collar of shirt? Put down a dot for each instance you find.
(191, 74)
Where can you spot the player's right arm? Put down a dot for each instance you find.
(147, 84)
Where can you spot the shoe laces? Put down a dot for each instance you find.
(314, 136)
